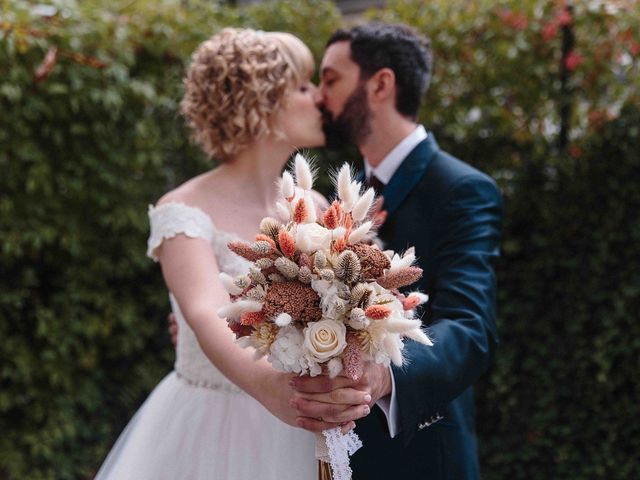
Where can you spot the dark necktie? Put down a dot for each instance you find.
(375, 182)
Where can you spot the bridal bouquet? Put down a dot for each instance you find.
(319, 297)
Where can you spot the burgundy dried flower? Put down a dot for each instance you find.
(298, 300)
(372, 260)
(240, 330)
(252, 318)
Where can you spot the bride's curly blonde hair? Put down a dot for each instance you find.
(236, 83)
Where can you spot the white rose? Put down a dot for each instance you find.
(325, 339)
(311, 237)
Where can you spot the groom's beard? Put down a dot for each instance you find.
(352, 126)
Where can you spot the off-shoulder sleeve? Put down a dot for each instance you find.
(171, 219)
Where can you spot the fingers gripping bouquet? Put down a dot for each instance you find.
(319, 297)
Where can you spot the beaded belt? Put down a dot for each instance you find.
(223, 387)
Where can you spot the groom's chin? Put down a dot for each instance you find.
(335, 138)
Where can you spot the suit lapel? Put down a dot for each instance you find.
(409, 173)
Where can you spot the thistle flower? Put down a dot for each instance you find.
(242, 281)
(298, 300)
(270, 227)
(352, 357)
(287, 267)
(348, 266)
(400, 277)
(360, 294)
(300, 212)
(373, 261)
(378, 312)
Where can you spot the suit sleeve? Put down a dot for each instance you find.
(461, 309)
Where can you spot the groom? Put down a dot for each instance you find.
(421, 425)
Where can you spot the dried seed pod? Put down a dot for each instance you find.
(264, 263)
(348, 266)
(262, 247)
(257, 293)
(357, 293)
(305, 275)
(242, 281)
(287, 267)
(276, 278)
(319, 260)
(257, 276)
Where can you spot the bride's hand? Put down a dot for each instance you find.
(277, 395)
(340, 399)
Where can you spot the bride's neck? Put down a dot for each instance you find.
(255, 171)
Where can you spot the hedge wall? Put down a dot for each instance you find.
(89, 136)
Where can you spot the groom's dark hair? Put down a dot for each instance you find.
(395, 46)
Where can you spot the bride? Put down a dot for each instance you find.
(220, 414)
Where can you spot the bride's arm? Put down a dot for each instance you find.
(191, 273)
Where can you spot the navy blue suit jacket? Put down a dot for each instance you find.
(451, 213)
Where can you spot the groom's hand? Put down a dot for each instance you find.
(321, 399)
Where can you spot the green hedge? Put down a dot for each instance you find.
(86, 146)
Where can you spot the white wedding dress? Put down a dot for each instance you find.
(196, 424)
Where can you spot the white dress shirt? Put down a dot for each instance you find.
(384, 171)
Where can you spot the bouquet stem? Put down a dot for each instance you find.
(324, 471)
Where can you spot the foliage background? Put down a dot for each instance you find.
(88, 141)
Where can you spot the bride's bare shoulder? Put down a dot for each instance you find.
(192, 192)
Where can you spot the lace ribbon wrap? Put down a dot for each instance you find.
(335, 449)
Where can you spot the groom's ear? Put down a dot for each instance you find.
(382, 85)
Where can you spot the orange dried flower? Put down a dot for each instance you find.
(347, 221)
(261, 237)
(300, 211)
(339, 245)
(330, 218)
(287, 243)
(252, 318)
(410, 302)
(377, 312)
(295, 298)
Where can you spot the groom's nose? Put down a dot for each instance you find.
(318, 96)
